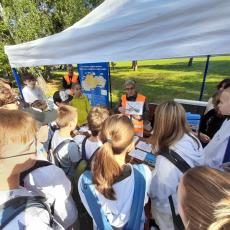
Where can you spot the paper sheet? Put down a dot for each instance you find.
(134, 107)
(138, 154)
(144, 146)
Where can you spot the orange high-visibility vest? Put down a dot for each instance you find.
(74, 78)
(138, 124)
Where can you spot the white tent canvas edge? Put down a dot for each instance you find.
(134, 30)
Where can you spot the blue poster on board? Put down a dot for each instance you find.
(94, 79)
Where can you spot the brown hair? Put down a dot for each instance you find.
(206, 198)
(116, 134)
(97, 115)
(40, 105)
(6, 94)
(16, 127)
(169, 126)
(66, 114)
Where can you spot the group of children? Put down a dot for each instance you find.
(112, 190)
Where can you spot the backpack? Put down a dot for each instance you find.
(54, 158)
(183, 166)
(13, 207)
(134, 222)
(84, 163)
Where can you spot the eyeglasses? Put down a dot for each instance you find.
(131, 88)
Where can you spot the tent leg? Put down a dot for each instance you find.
(110, 88)
(16, 76)
(204, 79)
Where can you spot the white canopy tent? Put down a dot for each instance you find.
(134, 30)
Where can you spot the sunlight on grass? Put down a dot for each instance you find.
(166, 79)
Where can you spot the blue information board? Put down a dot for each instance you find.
(94, 79)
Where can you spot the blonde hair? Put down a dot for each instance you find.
(97, 115)
(66, 114)
(169, 126)
(116, 134)
(6, 94)
(16, 127)
(206, 199)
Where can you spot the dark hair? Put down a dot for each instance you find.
(223, 83)
(28, 76)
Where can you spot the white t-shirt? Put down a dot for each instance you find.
(215, 150)
(33, 218)
(166, 177)
(90, 146)
(69, 154)
(118, 211)
(52, 183)
(30, 95)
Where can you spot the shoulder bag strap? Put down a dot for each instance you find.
(89, 192)
(83, 148)
(177, 160)
(137, 207)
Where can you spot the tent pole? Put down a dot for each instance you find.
(110, 88)
(204, 78)
(16, 76)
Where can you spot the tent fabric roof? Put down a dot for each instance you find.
(120, 30)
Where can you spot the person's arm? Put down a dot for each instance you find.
(64, 83)
(88, 106)
(117, 106)
(146, 111)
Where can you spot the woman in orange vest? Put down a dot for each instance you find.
(132, 96)
(69, 78)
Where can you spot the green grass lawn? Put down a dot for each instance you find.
(166, 79)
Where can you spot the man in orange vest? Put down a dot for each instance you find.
(69, 78)
(132, 96)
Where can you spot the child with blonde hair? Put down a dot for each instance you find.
(102, 189)
(172, 139)
(64, 149)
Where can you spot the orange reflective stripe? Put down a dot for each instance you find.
(123, 101)
(67, 79)
(74, 79)
(138, 126)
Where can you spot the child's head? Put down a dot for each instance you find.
(17, 140)
(70, 69)
(97, 115)
(67, 117)
(169, 126)
(41, 105)
(29, 80)
(224, 105)
(223, 83)
(204, 199)
(61, 98)
(76, 89)
(7, 96)
(117, 138)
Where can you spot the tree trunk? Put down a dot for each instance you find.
(190, 61)
(134, 65)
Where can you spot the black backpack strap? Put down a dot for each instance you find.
(13, 207)
(83, 148)
(183, 166)
(177, 160)
(38, 164)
